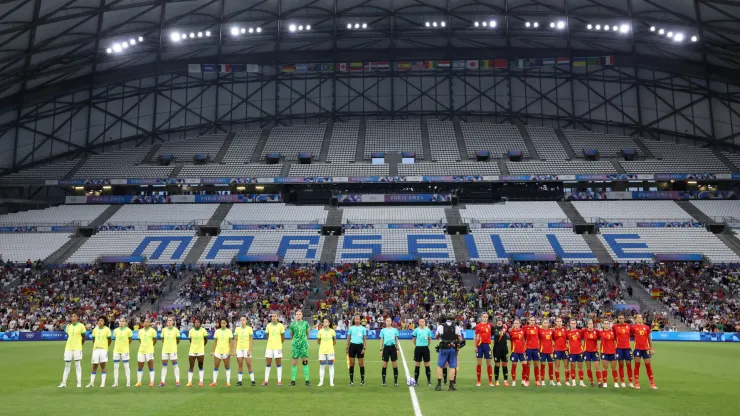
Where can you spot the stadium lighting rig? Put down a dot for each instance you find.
(298, 28)
(677, 37)
(177, 36)
(490, 24)
(119, 47)
(559, 25)
(623, 28)
(532, 25)
(435, 24)
(356, 26)
(238, 30)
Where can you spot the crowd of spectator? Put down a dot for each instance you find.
(705, 297)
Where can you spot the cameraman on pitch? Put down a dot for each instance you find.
(451, 340)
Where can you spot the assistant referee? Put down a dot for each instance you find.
(421, 337)
(356, 344)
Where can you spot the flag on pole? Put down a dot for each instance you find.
(327, 68)
(472, 65)
(403, 66)
(520, 63)
(430, 64)
(608, 60)
(548, 61)
(443, 64)
(356, 66)
(593, 61)
(193, 68)
(500, 63)
(370, 66)
(253, 68)
(417, 65)
(579, 61)
(562, 61)
(342, 67)
(486, 64)
(301, 68)
(383, 65)
(458, 65)
(287, 68)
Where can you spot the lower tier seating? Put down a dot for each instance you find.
(496, 245)
(431, 245)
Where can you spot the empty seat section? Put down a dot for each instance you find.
(399, 215)
(339, 169)
(184, 150)
(496, 138)
(449, 168)
(608, 145)
(546, 143)
(442, 141)
(719, 210)
(20, 247)
(289, 141)
(631, 210)
(343, 145)
(393, 136)
(51, 171)
(63, 214)
(734, 158)
(359, 245)
(163, 214)
(301, 246)
(513, 212)
(121, 164)
(242, 147)
(496, 245)
(158, 247)
(676, 158)
(230, 171)
(565, 167)
(664, 241)
(275, 214)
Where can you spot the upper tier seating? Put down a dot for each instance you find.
(571, 247)
(242, 147)
(63, 214)
(565, 167)
(121, 164)
(546, 143)
(734, 158)
(277, 242)
(339, 169)
(719, 209)
(676, 158)
(173, 214)
(626, 210)
(125, 243)
(393, 136)
(449, 168)
(20, 247)
(343, 145)
(395, 215)
(513, 212)
(496, 138)
(289, 141)
(608, 145)
(184, 150)
(442, 141)
(51, 171)
(229, 171)
(276, 214)
(357, 245)
(664, 241)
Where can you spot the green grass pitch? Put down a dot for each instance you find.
(694, 378)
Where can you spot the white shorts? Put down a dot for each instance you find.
(118, 356)
(196, 354)
(274, 354)
(99, 356)
(221, 356)
(143, 358)
(326, 357)
(72, 355)
(243, 354)
(169, 356)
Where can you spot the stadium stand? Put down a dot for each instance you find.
(719, 210)
(663, 241)
(495, 246)
(734, 158)
(393, 136)
(442, 141)
(184, 150)
(242, 147)
(343, 145)
(513, 211)
(51, 171)
(400, 215)
(449, 168)
(60, 215)
(276, 214)
(289, 141)
(339, 169)
(227, 171)
(566, 167)
(546, 143)
(607, 145)
(496, 138)
(174, 214)
(301, 246)
(636, 210)
(676, 158)
(20, 247)
(431, 245)
(121, 164)
(177, 245)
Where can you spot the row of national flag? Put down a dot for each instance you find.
(580, 61)
(222, 68)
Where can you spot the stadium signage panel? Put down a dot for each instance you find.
(404, 198)
(493, 243)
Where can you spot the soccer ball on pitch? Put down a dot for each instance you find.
(411, 382)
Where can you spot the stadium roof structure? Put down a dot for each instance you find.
(52, 48)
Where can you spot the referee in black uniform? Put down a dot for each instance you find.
(499, 337)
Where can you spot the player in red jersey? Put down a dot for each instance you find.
(608, 338)
(591, 336)
(547, 349)
(575, 350)
(483, 347)
(643, 351)
(532, 335)
(560, 335)
(623, 331)
(518, 342)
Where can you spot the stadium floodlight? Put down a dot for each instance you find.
(141, 39)
(694, 38)
(669, 34)
(124, 45)
(291, 28)
(308, 27)
(259, 30)
(243, 31)
(349, 25)
(300, 27)
(652, 28)
(624, 28)
(598, 27)
(200, 34)
(606, 27)
(484, 24)
(552, 25)
(476, 24)
(678, 38)
(615, 28)
(589, 26)
(235, 31)
(251, 30)
(492, 23)
(184, 36)
(208, 33)
(116, 48)
(536, 24)
(357, 25)
(132, 42)
(434, 24)
(527, 24)
(175, 36)
(109, 50)
(364, 25)
(443, 23)
(561, 25)
(427, 24)
(661, 32)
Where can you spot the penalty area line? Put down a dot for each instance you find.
(412, 390)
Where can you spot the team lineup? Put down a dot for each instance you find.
(531, 345)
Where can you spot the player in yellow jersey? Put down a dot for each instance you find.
(73, 349)
(244, 337)
(198, 340)
(223, 349)
(327, 339)
(275, 338)
(170, 341)
(147, 339)
(101, 343)
(121, 351)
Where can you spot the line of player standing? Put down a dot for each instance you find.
(536, 345)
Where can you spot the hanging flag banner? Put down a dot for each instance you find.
(223, 68)
(458, 65)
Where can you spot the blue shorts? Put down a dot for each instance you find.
(483, 351)
(532, 354)
(576, 358)
(447, 356)
(609, 357)
(644, 354)
(561, 355)
(590, 356)
(546, 358)
(517, 357)
(624, 354)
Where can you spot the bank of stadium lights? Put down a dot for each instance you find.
(177, 36)
(534, 25)
(560, 25)
(298, 28)
(119, 47)
(237, 30)
(677, 37)
(491, 24)
(435, 24)
(356, 26)
(623, 28)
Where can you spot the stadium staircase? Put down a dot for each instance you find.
(260, 146)
(725, 160)
(309, 306)
(643, 149)
(65, 251)
(77, 167)
(528, 141)
(152, 155)
(329, 251)
(646, 302)
(695, 212)
(571, 212)
(594, 243)
(285, 172)
(176, 170)
(197, 250)
(563, 141)
(327, 140)
(169, 297)
(470, 281)
(617, 166)
(360, 152)
(393, 160)
(425, 143)
(502, 166)
(219, 215)
(224, 147)
(730, 240)
(105, 216)
(453, 216)
(334, 217)
(460, 140)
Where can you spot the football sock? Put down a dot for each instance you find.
(331, 373)
(580, 375)
(439, 381)
(536, 373)
(648, 369)
(322, 369)
(201, 374)
(490, 374)
(497, 370)
(127, 370)
(190, 376)
(115, 371)
(239, 376)
(557, 374)
(164, 372)
(215, 374)
(228, 375)
(630, 374)
(78, 371)
(477, 372)
(176, 369)
(506, 372)
(305, 371)
(293, 372)
(525, 371)
(636, 374)
(251, 376)
(267, 373)
(139, 375)
(352, 374)
(362, 373)
(542, 371)
(513, 371)
(573, 372)
(444, 374)
(395, 375)
(590, 375)
(280, 373)
(384, 371)
(614, 375)
(621, 371)
(65, 375)
(416, 374)
(550, 368)
(429, 374)
(102, 379)
(151, 376)
(92, 377)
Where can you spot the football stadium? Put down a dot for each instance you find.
(419, 207)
